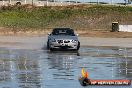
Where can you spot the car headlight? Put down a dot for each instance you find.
(74, 41)
(53, 40)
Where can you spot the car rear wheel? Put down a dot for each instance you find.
(18, 3)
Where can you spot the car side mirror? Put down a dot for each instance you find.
(49, 33)
(77, 34)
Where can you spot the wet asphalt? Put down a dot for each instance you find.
(41, 68)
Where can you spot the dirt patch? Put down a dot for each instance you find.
(105, 34)
(81, 32)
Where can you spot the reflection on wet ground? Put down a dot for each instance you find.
(21, 68)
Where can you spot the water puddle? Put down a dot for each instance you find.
(26, 68)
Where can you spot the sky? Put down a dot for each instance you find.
(108, 1)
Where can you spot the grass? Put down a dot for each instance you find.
(83, 17)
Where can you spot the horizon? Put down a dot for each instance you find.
(106, 1)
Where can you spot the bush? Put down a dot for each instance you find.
(90, 17)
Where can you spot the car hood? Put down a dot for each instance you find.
(65, 37)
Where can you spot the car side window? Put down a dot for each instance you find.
(55, 32)
(71, 32)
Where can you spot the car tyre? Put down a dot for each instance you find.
(48, 45)
(52, 49)
(18, 3)
(78, 46)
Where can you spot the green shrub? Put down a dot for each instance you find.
(43, 17)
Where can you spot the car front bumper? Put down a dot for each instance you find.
(70, 45)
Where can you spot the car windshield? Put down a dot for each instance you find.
(63, 32)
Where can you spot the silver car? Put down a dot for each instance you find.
(63, 38)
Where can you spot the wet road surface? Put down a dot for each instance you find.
(40, 68)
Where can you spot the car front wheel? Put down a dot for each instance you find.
(52, 49)
(47, 44)
(78, 46)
